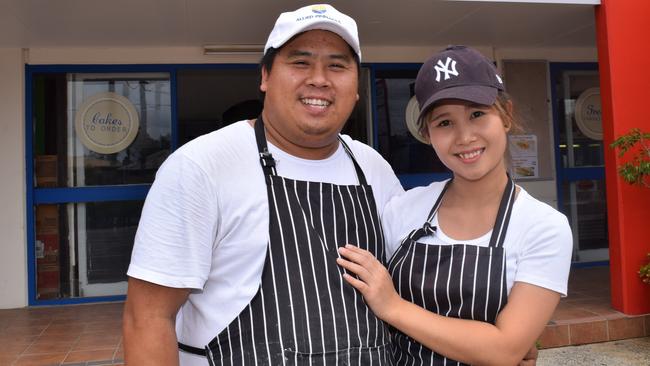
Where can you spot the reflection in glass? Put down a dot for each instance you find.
(84, 249)
(576, 149)
(405, 154)
(150, 95)
(51, 252)
(61, 160)
(583, 200)
(586, 204)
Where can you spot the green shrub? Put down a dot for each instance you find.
(636, 171)
(644, 272)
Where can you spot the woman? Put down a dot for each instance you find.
(479, 265)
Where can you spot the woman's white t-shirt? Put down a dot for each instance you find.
(538, 242)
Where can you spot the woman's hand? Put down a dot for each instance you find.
(373, 280)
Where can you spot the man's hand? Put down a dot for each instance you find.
(373, 280)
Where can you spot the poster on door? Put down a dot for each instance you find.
(523, 150)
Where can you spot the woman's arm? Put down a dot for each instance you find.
(517, 326)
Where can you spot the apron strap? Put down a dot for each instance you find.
(503, 215)
(436, 205)
(268, 163)
(360, 176)
(500, 225)
(266, 159)
(193, 350)
(427, 228)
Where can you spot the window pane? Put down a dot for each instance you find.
(576, 148)
(51, 252)
(211, 99)
(84, 249)
(585, 203)
(396, 144)
(100, 129)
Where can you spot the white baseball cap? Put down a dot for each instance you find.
(320, 16)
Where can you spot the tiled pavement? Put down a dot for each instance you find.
(586, 316)
(91, 334)
(64, 335)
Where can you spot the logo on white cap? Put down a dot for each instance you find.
(445, 68)
(319, 9)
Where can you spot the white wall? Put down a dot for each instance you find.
(13, 253)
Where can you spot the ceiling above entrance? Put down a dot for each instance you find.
(77, 23)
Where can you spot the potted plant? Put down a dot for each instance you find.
(636, 171)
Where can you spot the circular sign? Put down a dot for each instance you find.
(107, 123)
(412, 114)
(588, 114)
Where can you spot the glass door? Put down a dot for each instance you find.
(97, 139)
(580, 159)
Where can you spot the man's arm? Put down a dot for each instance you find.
(149, 323)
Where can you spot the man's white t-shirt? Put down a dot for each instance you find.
(538, 242)
(205, 222)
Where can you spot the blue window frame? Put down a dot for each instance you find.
(563, 173)
(88, 194)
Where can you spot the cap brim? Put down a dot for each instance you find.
(480, 94)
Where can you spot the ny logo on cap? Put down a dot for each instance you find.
(440, 67)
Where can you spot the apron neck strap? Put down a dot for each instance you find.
(268, 163)
(503, 215)
(436, 205)
(360, 176)
(266, 159)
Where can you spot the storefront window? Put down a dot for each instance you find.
(98, 140)
(100, 129)
(394, 90)
(586, 204)
(580, 145)
(209, 99)
(84, 249)
(580, 167)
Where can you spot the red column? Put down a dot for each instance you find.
(623, 35)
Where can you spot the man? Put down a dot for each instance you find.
(235, 254)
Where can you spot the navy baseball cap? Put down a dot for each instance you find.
(457, 72)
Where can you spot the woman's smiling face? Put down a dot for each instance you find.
(469, 138)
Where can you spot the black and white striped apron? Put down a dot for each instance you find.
(304, 313)
(460, 281)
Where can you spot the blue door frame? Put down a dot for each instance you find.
(570, 174)
(36, 196)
